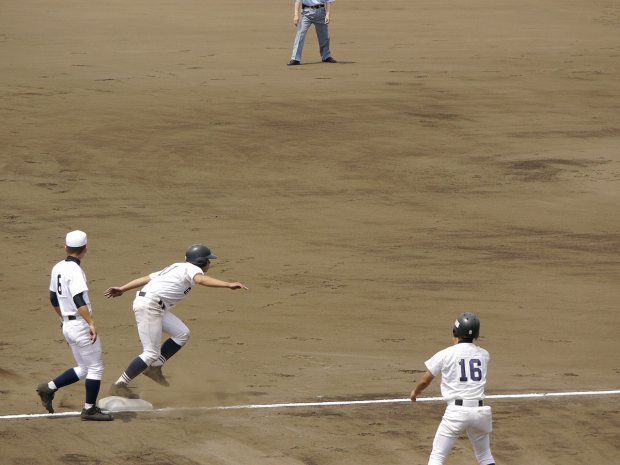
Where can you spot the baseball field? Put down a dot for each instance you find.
(459, 156)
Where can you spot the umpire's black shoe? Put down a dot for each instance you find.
(95, 414)
(293, 63)
(47, 396)
(329, 60)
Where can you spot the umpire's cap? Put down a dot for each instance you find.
(199, 255)
(466, 326)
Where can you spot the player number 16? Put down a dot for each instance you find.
(475, 373)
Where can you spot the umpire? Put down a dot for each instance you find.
(306, 13)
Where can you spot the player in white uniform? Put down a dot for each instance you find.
(163, 290)
(69, 297)
(463, 369)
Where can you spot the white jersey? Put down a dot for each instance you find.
(172, 283)
(68, 280)
(463, 369)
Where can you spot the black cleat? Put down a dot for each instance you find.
(47, 396)
(95, 414)
(293, 63)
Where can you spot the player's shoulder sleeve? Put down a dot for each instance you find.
(78, 281)
(436, 362)
(192, 270)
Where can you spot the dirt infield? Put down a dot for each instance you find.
(460, 156)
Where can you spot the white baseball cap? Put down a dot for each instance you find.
(76, 239)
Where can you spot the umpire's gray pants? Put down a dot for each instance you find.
(310, 16)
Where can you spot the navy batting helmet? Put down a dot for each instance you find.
(199, 255)
(466, 326)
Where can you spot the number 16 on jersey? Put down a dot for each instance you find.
(470, 370)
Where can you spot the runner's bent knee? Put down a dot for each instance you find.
(149, 356)
(181, 338)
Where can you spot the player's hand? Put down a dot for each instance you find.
(413, 396)
(327, 19)
(93, 332)
(295, 21)
(234, 286)
(113, 292)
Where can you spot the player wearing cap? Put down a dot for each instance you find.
(463, 370)
(69, 298)
(163, 290)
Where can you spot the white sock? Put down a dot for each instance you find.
(52, 386)
(88, 406)
(123, 379)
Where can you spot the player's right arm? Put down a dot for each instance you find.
(433, 365)
(423, 383)
(119, 291)
(296, 12)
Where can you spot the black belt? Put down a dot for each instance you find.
(161, 304)
(313, 7)
(71, 317)
(460, 402)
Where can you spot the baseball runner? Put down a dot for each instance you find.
(463, 370)
(69, 298)
(163, 290)
(305, 14)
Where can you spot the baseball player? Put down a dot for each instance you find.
(305, 14)
(69, 297)
(163, 290)
(463, 369)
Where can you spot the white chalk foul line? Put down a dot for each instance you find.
(392, 401)
(326, 403)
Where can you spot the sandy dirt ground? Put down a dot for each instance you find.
(460, 156)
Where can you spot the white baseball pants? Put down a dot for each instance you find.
(87, 354)
(152, 320)
(476, 421)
